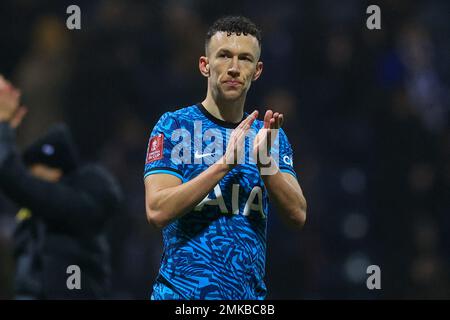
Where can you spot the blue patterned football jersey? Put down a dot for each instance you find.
(218, 250)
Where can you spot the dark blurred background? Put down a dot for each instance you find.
(367, 113)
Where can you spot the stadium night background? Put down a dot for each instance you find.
(366, 112)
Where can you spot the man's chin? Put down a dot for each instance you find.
(232, 95)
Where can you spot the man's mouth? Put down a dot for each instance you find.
(233, 83)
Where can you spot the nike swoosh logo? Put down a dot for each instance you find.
(197, 155)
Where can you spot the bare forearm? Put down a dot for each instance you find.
(288, 198)
(171, 203)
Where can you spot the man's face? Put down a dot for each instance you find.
(233, 63)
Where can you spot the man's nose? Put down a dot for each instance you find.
(233, 71)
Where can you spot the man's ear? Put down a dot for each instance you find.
(203, 65)
(259, 69)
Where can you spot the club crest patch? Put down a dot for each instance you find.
(155, 148)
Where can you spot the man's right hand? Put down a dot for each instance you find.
(236, 143)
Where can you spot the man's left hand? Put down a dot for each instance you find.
(266, 137)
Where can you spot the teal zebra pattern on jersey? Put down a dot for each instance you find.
(218, 250)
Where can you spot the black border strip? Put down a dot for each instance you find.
(219, 122)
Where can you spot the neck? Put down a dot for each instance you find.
(229, 111)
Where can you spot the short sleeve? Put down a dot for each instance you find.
(159, 149)
(282, 152)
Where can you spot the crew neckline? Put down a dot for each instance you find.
(217, 121)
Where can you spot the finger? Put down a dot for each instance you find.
(254, 116)
(240, 142)
(242, 133)
(235, 151)
(272, 123)
(251, 117)
(280, 121)
(275, 118)
(267, 118)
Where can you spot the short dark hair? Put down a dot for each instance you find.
(233, 24)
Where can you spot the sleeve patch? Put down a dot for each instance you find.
(155, 149)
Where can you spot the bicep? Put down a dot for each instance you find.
(157, 182)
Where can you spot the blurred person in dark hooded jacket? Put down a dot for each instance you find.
(65, 211)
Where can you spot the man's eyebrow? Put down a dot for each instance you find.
(248, 54)
(224, 50)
